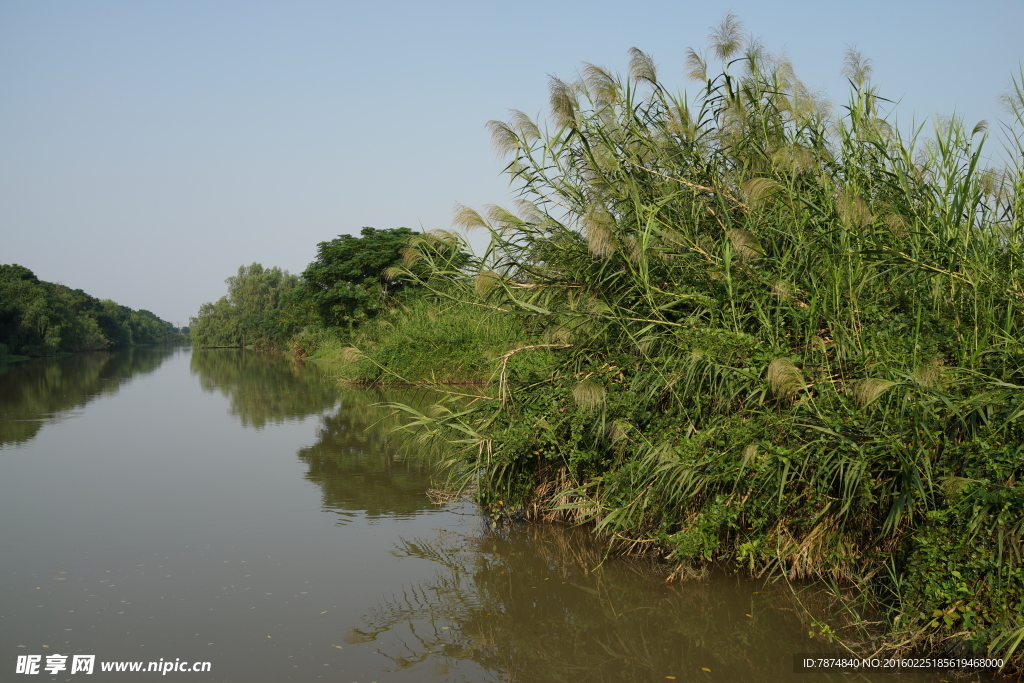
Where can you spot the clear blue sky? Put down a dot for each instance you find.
(147, 149)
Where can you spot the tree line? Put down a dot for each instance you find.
(350, 282)
(39, 318)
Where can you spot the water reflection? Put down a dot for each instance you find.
(264, 388)
(359, 461)
(42, 391)
(541, 603)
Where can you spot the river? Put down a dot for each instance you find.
(238, 509)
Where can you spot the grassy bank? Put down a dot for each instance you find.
(427, 340)
(767, 334)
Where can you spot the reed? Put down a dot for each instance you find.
(779, 333)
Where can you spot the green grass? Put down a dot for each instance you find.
(423, 340)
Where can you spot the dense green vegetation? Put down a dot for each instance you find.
(257, 311)
(39, 318)
(777, 336)
(746, 327)
(324, 313)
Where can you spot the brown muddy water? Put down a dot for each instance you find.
(181, 507)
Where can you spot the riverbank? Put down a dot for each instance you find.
(758, 492)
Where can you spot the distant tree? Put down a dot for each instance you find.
(39, 318)
(254, 312)
(349, 281)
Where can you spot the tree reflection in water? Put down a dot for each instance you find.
(44, 390)
(362, 464)
(264, 388)
(357, 460)
(542, 603)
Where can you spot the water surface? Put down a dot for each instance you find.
(240, 509)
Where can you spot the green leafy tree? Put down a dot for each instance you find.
(256, 310)
(352, 278)
(39, 318)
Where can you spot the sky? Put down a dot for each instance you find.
(149, 149)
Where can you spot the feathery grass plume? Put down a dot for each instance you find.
(642, 67)
(559, 334)
(853, 210)
(793, 160)
(597, 308)
(501, 218)
(750, 455)
(600, 231)
(679, 123)
(856, 66)
(784, 378)
(588, 394)
(529, 212)
(817, 344)
(897, 225)
(1013, 99)
(485, 281)
(727, 39)
(351, 354)
(756, 189)
(564, 102)
(411, 256)
(695, 67)
(979, 127)
(438, 239)
(606, 161)
(877, 128)
(469, 219)
(437, 410)
(867, 391)
(954, 486)
(783, 290)
(929, 375)
(758, 61)
(616, 431)
(524, 125)
(745, 244)
(602, 87)
(992, 183)
(503, 139)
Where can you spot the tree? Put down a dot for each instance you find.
(39, 318)
(254, 312)
(350, 280)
